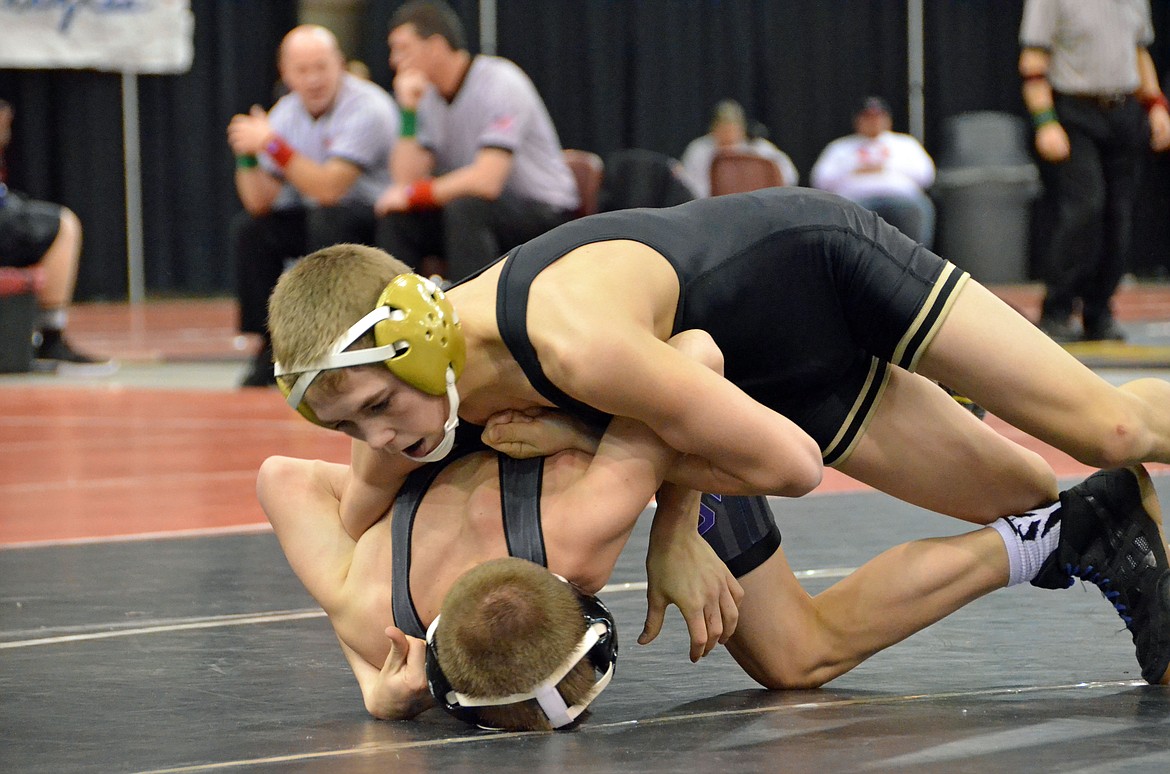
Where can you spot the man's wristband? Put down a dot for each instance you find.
(279, 151)
(420, 195)
(1149, 103)
(1033, 77)
(1044, 117)
(409, 123)
(247, 161)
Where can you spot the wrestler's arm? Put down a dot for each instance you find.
(302, 499)
(397, 691)
(372, 479)
(731, 443)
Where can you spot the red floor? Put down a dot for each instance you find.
(93, 461)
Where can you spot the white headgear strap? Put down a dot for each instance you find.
(546, 694)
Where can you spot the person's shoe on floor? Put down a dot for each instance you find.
(1060, 331)
(262, 372)
(1105, 329)
(1111, 535)
(53, 354)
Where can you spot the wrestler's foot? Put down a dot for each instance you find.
(1111, 535)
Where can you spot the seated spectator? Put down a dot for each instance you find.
(308, 172)
(729, 131)
(884, 171)
(46, 236)
(479, 167)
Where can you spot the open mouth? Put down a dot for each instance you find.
(416, 449)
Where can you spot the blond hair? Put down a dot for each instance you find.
(317, 301)
(505, 626)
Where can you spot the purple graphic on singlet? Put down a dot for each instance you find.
(707, 513)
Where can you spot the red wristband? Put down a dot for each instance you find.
(279, 151)
(420, 194)
(1149, 103)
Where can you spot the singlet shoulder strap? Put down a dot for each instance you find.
(401, 526)
(520, 482)
(512, 320)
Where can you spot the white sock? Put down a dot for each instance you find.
(53, 319)
(1029, 539)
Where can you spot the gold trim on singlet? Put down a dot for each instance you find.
(860, 414)
(930, 317)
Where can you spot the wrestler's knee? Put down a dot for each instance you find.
(793, 665)
(1117, 431)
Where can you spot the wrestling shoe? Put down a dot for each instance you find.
(1111, 535)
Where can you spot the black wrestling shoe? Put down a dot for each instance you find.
(1111, 535)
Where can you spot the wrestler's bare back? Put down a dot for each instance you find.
(458, 526)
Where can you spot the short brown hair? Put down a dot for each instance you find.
(504, 626)
(432, 17)
(317, 301)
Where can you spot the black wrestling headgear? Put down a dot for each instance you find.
(598, 644)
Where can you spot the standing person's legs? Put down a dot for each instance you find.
(262, 245)
(1075, 242)
(1121, 158)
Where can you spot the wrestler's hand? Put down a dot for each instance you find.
(682, 569)
(537, 432)
(400, 691)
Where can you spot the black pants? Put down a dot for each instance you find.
(467, 233)
(264, 245)
(1095, 190)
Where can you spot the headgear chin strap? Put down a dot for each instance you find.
(598, 644)
(448, 442)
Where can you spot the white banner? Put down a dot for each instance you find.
(136, 36)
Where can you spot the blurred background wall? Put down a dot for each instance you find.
(614, 74)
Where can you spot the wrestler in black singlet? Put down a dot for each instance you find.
(741, 530)
(809, 296)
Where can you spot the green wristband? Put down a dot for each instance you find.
(1044, 117)
(247, 162)
(409, 123)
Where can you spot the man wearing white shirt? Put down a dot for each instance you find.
(884, 171)
(729, 132)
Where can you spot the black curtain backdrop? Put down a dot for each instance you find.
(614, 74)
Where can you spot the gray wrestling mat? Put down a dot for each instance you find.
(204, 654)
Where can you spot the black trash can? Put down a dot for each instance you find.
(984, 191)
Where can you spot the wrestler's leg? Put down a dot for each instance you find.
(787, 639)
(922, 447)
(988, 352)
